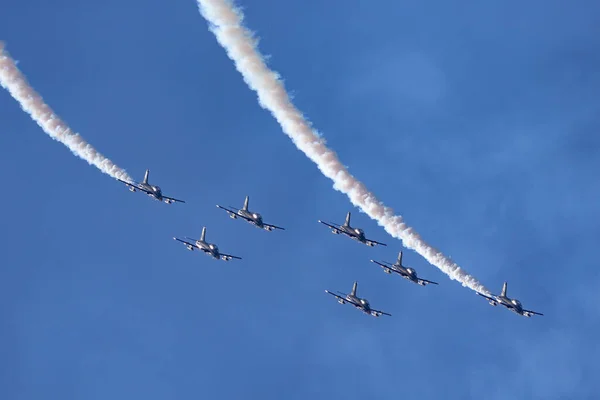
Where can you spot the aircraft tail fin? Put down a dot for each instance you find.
(504, 287)
(354, 287)
(146, 176)
(203, 235)
(347, 223)
(246, 203)
(399, 258)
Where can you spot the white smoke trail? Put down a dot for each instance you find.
(225, 22)
(31, 102)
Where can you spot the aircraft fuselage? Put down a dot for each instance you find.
(354, 233)
(361, 304)
(212, 250)
(209, 248)
(255, 218)
(408, 273)
(512, 304)
(155, 191)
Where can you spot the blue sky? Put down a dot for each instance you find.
(476, 122)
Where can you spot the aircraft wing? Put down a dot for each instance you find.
(377, 313)
(227, 257)
(375, 242)
(383, 264)
(134, 185)
(425, 281)
(186, 242)
(388, 266)
(172, 199)
(230, 210)
(331, 225)
(491, 299)
(487, 297)
(339, 297)
(127, 183)
(273, 226)
(529, 313)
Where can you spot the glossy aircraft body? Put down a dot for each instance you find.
(208, 248)
(252, 217)
(361, 304)
(151, 190)
(354, 233)
(512, 304)
(405, 272)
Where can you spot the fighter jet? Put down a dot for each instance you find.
(208, 248)
(252, 217)
(361, 304)
(150, 190)
(407, 273)
(512, 304)
(354, 233)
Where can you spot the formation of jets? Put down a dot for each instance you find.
(345, 229)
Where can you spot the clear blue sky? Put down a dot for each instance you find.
(477, 122)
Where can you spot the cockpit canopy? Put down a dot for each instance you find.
(516, 302)
(156, 189)
(358, 231)
(256, 216)
(411, 271)
(364, 302)
(213, 247)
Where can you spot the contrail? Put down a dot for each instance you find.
(225, 22)
(31, 102)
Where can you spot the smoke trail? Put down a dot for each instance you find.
(225, 22)
(31, 102)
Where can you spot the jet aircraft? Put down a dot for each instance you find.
(354, 233)
(208, 248)
(361, 304)
(150, 190)
(512, 304)
(407, 273)
(252, 217)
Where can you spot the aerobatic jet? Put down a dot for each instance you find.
(252, 217)
(361, 304)
(405, 272)
(150, 190)
(512, 304)
(354, 233)
(209, 248)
